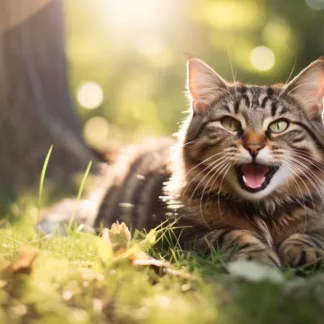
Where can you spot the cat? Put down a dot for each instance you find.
(245, 176)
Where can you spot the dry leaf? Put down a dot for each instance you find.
(118, 237)
(164, 266)
(23, 264)
(151, 262)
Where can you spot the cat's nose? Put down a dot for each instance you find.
(254, 148)
(253, 142)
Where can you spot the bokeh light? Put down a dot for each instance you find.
(277, 34)
(137, 17)
(315, 4)
(135, 12)
(231, 14)
(134, 50)
(262, 58)
(90, 95)
(96, 130)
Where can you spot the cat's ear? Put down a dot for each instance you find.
(308, 88)
(204, 84)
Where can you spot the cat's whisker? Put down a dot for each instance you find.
(219, 171)
(220, 187)
(205, 160)
(290, 74)
(298, 188)
(318, 183)
(201, 171)
(310, 196)
(296, 167)
(214, 165)
(314, 177)
(188, 143)
(215, 175)
(211, 165)
(306, 159)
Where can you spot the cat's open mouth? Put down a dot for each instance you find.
(254, 177)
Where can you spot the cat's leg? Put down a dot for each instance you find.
(304, 250)
(240, 245)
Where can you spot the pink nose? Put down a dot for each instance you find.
(253, 142)
(254, 148)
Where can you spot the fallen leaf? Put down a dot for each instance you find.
(118, 237)
(118, 240)
(151, 262)
(23, 264)
(164, 266)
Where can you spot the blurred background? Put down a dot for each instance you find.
(117, 68)
(127, 65)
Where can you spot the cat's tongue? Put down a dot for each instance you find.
(254, 175)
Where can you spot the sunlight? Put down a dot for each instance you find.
(278, 34)
(262, 58)
(230, 14)
(90, 95)
(96, 130)
(138, 14)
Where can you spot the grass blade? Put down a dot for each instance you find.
(79, 194)
(41, 180)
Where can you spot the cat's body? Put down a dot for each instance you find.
(135, 186)
(245, 176)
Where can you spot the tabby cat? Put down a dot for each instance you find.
(245, 176)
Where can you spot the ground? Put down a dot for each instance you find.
(84, 278)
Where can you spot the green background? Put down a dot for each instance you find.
(135, 50)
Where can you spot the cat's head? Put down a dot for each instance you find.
(256, 141)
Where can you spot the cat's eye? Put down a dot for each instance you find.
(278, 126)
(231, 124)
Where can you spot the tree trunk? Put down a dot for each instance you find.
(35, 105)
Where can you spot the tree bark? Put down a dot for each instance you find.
(35, 104)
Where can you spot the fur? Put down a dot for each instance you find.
(197, 181)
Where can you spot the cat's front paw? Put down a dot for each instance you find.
(265, 256)
(298, 251)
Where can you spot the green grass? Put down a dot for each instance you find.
(75, 279)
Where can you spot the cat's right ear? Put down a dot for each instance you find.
(308, 88)
(204, 84)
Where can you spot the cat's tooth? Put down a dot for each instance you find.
(244, 179)
(263, 180)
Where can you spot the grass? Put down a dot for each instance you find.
(77, 278)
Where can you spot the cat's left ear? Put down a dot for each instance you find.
(308, 88)
(204, 84)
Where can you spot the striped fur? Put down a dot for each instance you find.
(134, 191)
(200, 185)
(274, 225)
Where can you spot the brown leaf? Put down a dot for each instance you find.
(164, 268)
(151, 262)
(118, 237)
(24, 263)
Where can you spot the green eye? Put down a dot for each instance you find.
(278, 126)
(231, 124)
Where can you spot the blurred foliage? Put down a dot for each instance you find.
(135, 50)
